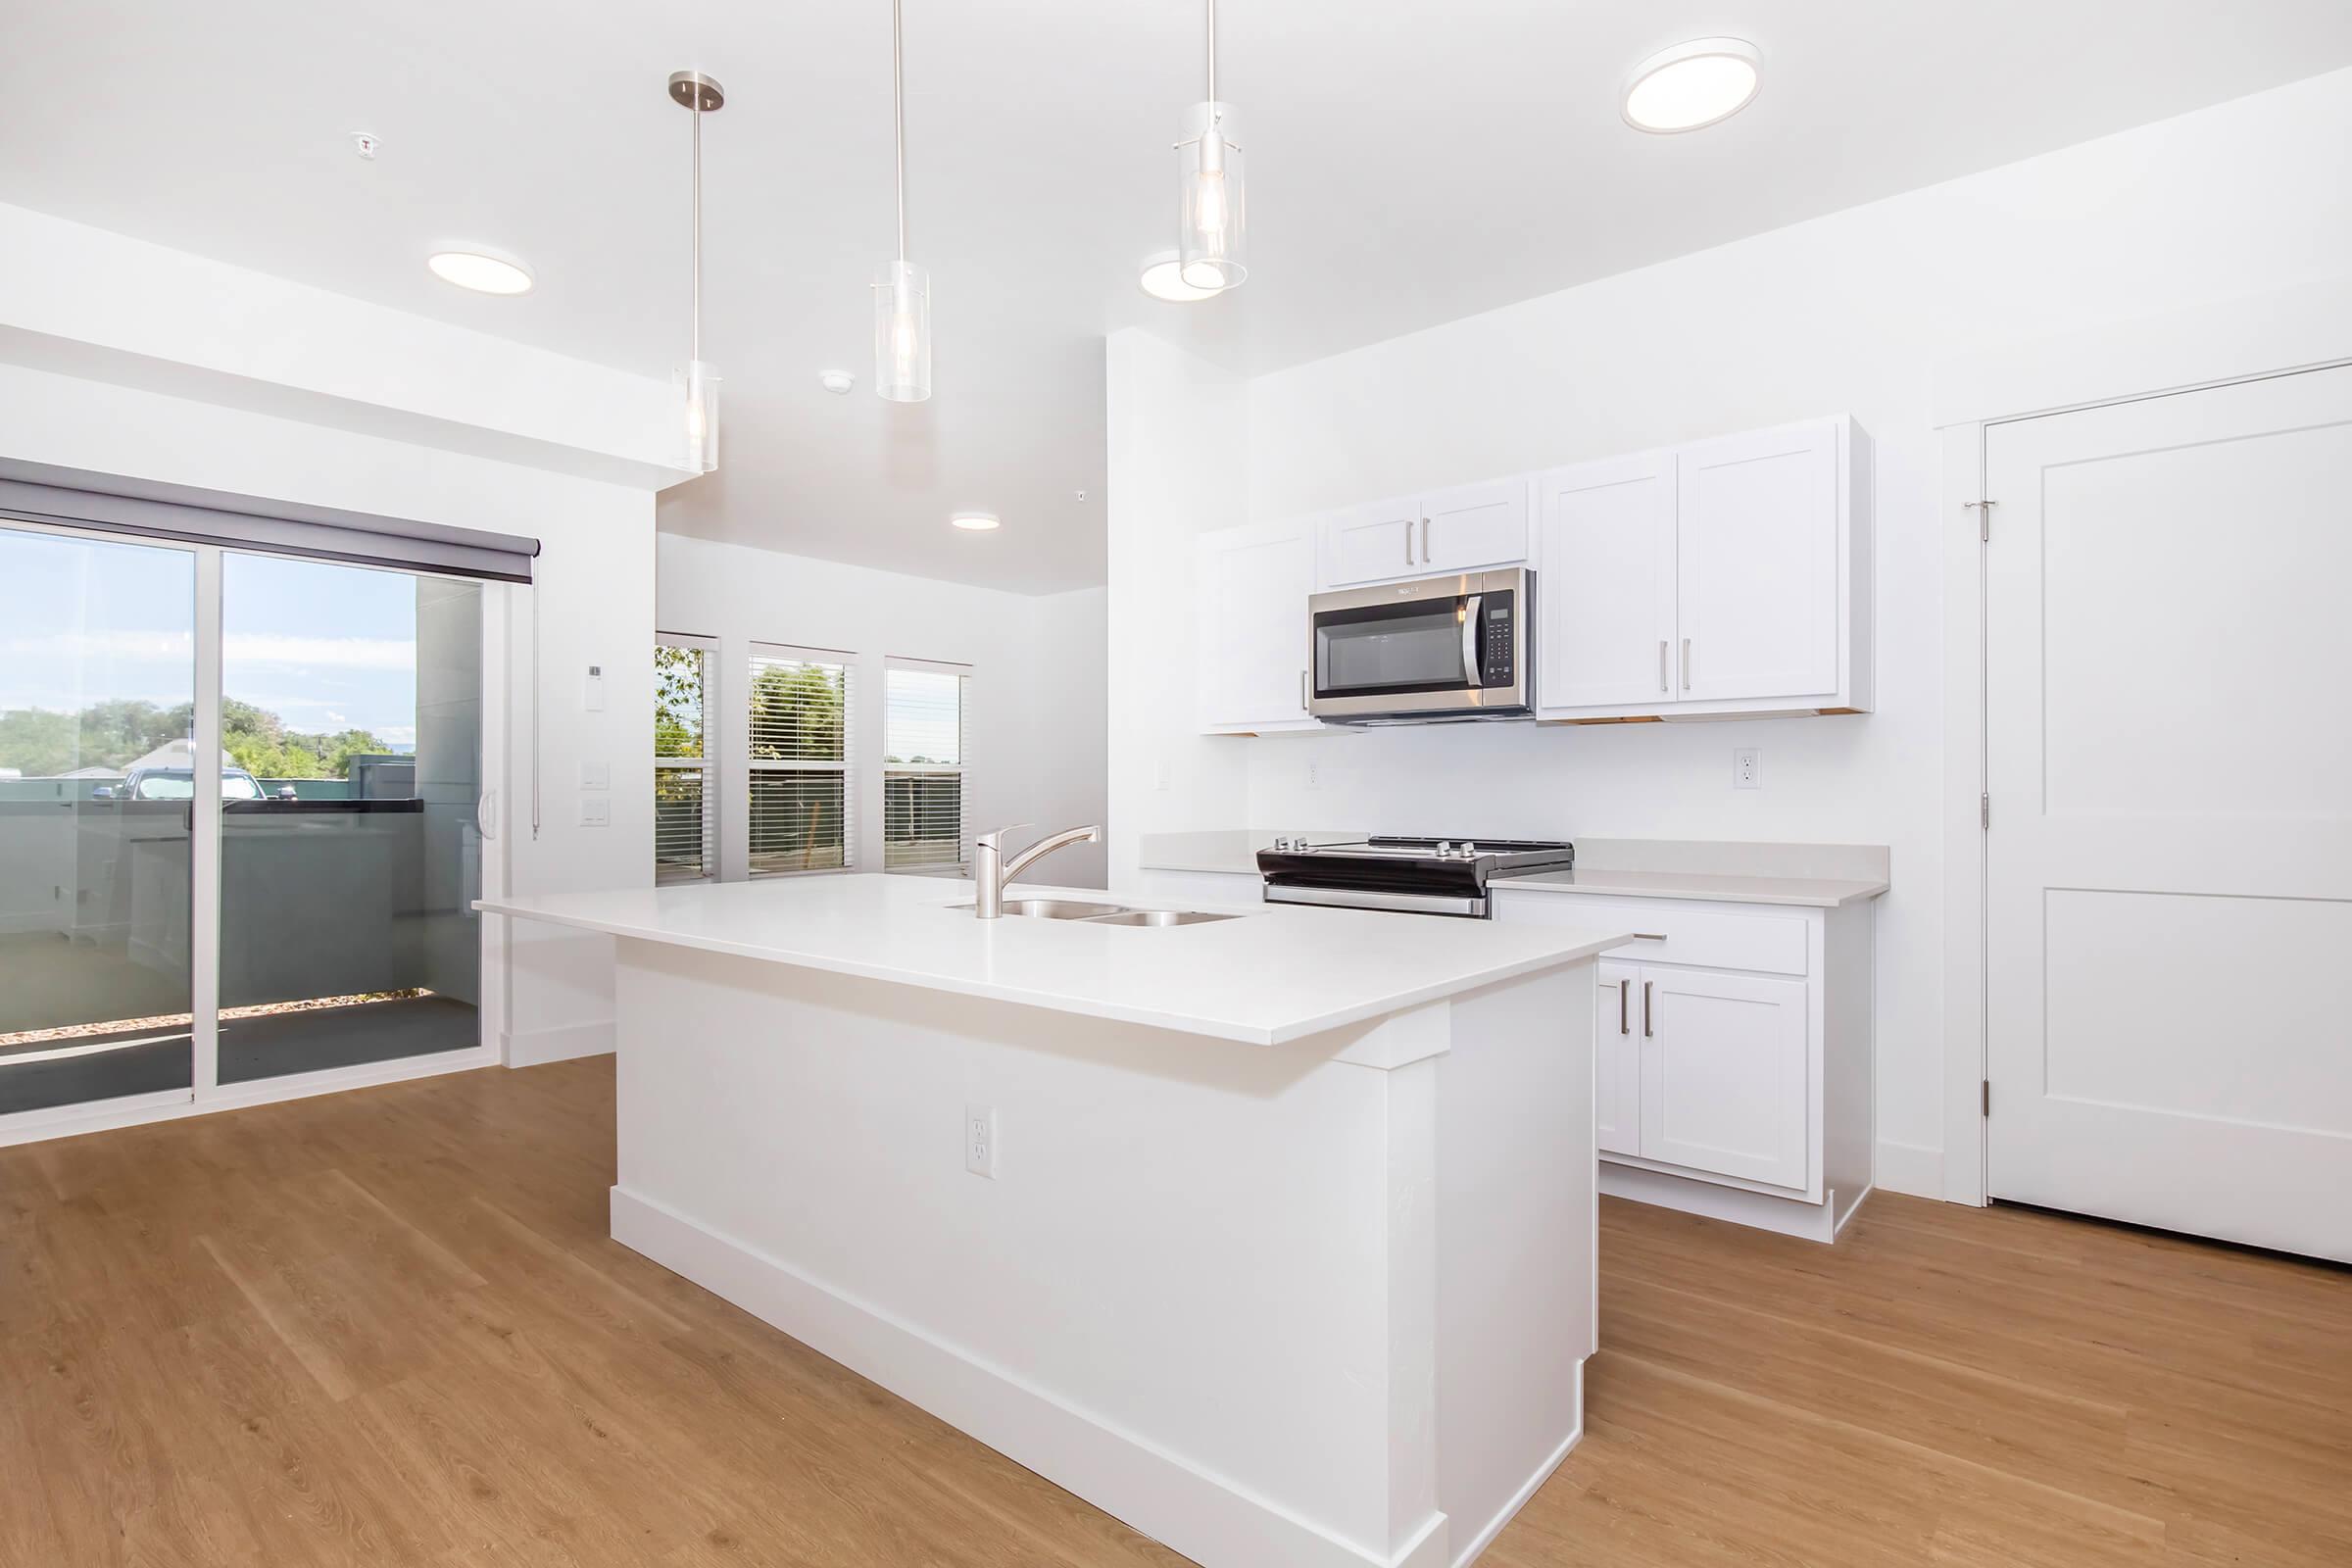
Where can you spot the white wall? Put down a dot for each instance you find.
(1850, 312)
(1036, 694)
(1179, 441)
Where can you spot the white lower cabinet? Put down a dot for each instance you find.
(1732, 1070)
(1724, 1081)
(1617, 1060)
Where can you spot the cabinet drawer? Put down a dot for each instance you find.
(1713, 938)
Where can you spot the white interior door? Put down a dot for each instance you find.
(2168, 899)
(1605, 595)
(1758, 541)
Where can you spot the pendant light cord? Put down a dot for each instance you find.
(1212, 56)
(697, 220)
(898, 114)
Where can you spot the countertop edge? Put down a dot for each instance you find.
(1276, 1034)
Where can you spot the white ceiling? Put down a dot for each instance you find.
(1407, 165)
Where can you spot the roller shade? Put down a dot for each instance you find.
(41, 493)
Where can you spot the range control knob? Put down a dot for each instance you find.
(1469, 850)
(1445, 848)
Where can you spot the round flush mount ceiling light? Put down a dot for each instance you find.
(975, 522)
(1163, 279)
(837, 382)
(1692, 85)
(484, 274)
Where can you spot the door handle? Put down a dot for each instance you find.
(1685, 664)
(1646, 1030)
(1662, 665)
(485, 815)
(1624, 997)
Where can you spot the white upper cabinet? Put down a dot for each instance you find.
(1758, 600)
(1604, 618)
(1731, 577)
(1467, 528)
(1365, 544)
(1254, 585)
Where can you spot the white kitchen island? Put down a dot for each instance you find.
(1285, 1254)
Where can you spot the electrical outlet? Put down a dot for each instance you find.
(1159, 772)
(1314, 775)
(1747, 771)
(980, 1141)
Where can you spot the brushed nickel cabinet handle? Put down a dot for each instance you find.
(1624, 997)
(1662, 686)
(1409, 542)
(1425, 541)
(1685, 664)
(1645, 1028)
(1650, 936)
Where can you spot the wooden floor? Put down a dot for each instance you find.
(387, 1327)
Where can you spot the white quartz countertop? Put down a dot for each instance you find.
(1802, 875)
(1275, 974)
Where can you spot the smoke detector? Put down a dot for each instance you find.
(837, 382)
(365, 142)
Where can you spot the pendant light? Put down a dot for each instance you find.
(698, 383)
(902, 289)
(1208, 188)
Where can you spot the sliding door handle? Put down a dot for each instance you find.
(1646, 1030)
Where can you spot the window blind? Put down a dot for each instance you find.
(799, 770)
(685, 807)
(923, 767)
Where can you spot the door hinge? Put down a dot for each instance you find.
(1984, 810)
(1987, 1099)
(1983, 512)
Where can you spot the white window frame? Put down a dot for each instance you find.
(708, 648)
(848, 664)
(962, 768)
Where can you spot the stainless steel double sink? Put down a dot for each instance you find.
(1104, 914)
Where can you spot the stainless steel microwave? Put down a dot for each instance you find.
(1436, 651)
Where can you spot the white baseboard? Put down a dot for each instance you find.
(1910, 1168)
(533, 1047)
(1791, 1216)
(1534, 1484)
(1175, 1501)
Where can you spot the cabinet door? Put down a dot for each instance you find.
(1605, 596)
(1253, 588)
(1758, 527)
(1724, 1082)
(1474, 526)
(1617, 1058)
(1368, 544)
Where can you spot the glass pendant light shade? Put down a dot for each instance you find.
(1209, 206)
(903, 332)
(697, 388)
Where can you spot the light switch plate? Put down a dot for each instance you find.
(595, 812)
(596, 775)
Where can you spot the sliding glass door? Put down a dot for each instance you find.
(97, 694)
(351, 706)
(299, 906)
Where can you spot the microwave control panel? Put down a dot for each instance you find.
(1494, 658)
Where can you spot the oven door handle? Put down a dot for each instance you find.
(1474, 673)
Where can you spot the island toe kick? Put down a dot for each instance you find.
(1320, 1305)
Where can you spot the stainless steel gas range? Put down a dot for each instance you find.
(1409, 876)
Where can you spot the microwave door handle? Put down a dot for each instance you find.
(1470, 626)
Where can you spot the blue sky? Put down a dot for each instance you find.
(324, 646)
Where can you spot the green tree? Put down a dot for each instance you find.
(796, 713)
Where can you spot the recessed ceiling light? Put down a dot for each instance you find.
(1163, 279)
(975, 522)
(484, 274)
(1691, 85)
